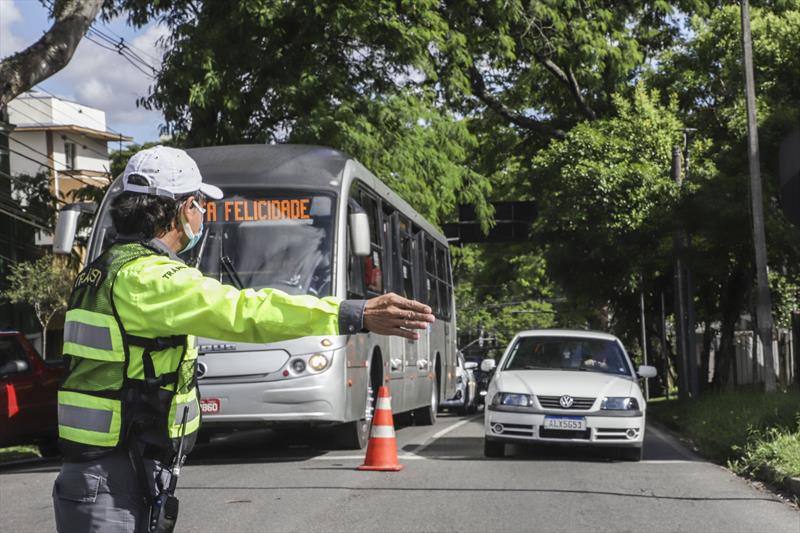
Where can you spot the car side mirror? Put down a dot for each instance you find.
(487, 365)
(359, 234)
(14, 367)
(471, 365)
(647, 371)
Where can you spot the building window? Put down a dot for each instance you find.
(70, 152)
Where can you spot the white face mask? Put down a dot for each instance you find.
(194, 238)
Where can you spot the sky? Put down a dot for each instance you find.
(95, 76)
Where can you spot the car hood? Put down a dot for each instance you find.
(557, 383)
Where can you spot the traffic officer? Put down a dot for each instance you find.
(130, 392)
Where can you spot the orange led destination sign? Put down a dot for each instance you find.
(255, 210)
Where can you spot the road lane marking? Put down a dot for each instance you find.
(442, 433)
(667, 461)
(357, 457)
(409, 455)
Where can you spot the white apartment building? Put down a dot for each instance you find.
(66, 140)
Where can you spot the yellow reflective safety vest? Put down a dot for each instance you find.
(120, 385)
(129, 334)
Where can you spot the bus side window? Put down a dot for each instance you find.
(441, 274)
(355, 272)
(373, 263)
(430, 276)
(406, 259)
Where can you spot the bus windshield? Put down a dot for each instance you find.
(269, 238)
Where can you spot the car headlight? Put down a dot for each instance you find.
(619, 403)
(318, 362)
(516, 400)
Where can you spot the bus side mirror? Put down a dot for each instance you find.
(67, 225)
(359, 234)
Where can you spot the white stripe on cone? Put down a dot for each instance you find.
(382, 432)
(384, 403)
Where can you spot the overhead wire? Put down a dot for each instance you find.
(131, 45)
(123, 48)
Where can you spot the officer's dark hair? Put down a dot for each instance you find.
(145, 214)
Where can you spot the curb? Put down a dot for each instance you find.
(793, 484)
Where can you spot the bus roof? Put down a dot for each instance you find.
(289, 165)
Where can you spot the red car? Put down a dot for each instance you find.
(28, 390)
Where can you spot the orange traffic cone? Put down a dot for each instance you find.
(382, 446)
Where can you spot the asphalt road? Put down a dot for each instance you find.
(257, 481)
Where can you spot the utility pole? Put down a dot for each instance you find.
(644, 342)
(664, 352)
(680, 294)
(693, 368)
(763, 299)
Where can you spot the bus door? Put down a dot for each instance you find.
(403, 282)
(397, 345)
(427, 293)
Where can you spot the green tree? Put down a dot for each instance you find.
(45, 284)
(705, 73)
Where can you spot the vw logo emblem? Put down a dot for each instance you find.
(566, 401)
(201, 369)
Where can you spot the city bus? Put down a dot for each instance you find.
(290, 221)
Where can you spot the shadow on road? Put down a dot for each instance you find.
(657, 447)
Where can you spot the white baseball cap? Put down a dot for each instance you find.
(168, 171)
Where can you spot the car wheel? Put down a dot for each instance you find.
(631, 454)
(464, 409)
(493, 448)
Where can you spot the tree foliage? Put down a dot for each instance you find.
(45, 284)
(573, 104)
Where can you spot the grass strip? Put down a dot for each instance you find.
(753, 432)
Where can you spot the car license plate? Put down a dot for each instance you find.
(209, 406)
(572, 423)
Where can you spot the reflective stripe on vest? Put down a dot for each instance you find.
(93, 336)
(179, 402)
(88, 419)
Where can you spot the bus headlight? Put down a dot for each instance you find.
(318, 362)
(299, 366)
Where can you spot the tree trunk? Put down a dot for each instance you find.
(731, 301)
(44, 342)
(52, 52)
(705, 358)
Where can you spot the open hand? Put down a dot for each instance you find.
(391, 314)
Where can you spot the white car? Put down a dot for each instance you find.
(565, 387)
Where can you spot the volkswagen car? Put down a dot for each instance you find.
(566, 388)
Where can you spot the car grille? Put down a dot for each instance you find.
(552, 402)
(564, 434)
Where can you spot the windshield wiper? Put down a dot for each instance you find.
(227, 264)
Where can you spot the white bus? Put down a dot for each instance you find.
(284, 223)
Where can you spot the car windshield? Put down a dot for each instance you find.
(269, 238)
(567, 353)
